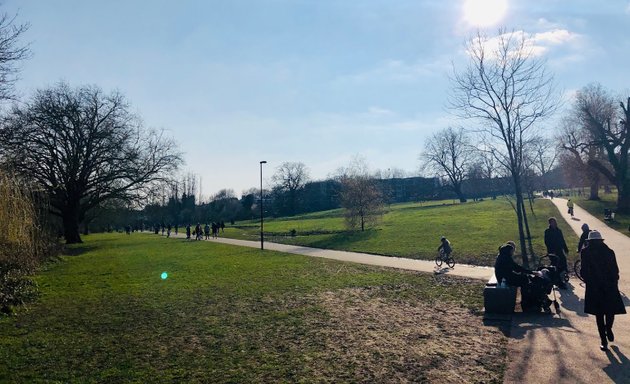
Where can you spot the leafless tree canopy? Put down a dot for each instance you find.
(505, 89)
(361, 196)
(84, 147)
(603, 123)
(291, 176)
(11, 54)
(449, 154)
(576, 142)
(289, 180)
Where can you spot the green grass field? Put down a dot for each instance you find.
(596, 208)
(237, 315)
(475, 229)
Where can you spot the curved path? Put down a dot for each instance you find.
(565, 348)
(476, 272)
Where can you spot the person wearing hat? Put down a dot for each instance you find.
(601, 276)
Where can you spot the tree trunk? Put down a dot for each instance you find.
(528, 233)
(519, 217)
(623, 197)
(457, 188)
(70, 218)
(593, 176)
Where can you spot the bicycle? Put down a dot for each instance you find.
(443, 258)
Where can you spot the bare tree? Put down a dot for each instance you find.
(450, 155)
(507, 90)
(289, 180)
(609, 129)
(578, 143)
(11, 54)
(360, 195)
(84, 147)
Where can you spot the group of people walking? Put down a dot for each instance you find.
(599, 270)
(200, 232)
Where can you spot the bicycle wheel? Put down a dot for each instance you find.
(577, 268)
(438, 260)
(450, 261)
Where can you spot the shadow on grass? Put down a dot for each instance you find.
(77, 250)
(428, 206)
(344, 239)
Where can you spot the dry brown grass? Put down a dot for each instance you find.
(370, 338)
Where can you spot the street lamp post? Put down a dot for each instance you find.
(262, 246)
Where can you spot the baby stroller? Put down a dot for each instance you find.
(534, 296)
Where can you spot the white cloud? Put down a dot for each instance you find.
(628, 9)
(556, 36)
(539, 43)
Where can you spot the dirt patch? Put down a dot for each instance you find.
(372, 337)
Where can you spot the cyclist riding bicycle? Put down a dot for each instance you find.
(445, 247)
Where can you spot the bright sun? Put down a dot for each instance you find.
(484, 13)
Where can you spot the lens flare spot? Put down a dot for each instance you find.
(164, 275)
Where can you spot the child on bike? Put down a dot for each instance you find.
(445, 247)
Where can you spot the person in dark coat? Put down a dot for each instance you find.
(506, 268)
(601, 276)
(583, 237)
(554, 241)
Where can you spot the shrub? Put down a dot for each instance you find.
(23, 242)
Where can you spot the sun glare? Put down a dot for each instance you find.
(484, 13)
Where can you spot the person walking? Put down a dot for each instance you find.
(583, 237)
(601, 276)
(554, 241)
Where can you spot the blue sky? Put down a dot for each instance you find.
(316, 81)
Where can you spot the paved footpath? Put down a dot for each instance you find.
(482, 273)
(565, 348)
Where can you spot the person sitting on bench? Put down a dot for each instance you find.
(506, 268)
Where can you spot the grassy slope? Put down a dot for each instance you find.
(230, 314)
(475, 229)
(596, 208)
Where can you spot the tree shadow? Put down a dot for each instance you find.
(77, 250)
(523, 322)
(343, 240)
(571, 301)
(619, 368)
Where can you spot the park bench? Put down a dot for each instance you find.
(497, 299)
(609, 215)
